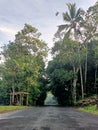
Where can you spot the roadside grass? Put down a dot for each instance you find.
(90, 109)
(11, 108)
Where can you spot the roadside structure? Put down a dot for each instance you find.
(20, 98)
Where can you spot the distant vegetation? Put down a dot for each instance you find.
(71, 75)
(50, 99)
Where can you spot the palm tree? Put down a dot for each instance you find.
(72, 20)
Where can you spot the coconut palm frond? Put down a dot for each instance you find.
(67, 35)
(80, 12)
(78, 19)
(72, 9)
(73, 18)
(79, 15)
(62, 27)
(66, 17)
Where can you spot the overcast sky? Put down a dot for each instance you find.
(39, 13)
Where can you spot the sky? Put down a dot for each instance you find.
(38, 13)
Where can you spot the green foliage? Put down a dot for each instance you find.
(71, 18)
(24, 62)
(74, 65)
(90, 109)
(60, 81)
(43, 91)
(10, 108)
(4, 90)
(50, 100)
(73, 70)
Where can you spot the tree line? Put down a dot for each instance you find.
(71, 75)
(73, 70)
(24, 66)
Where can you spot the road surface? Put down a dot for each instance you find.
(48, 118)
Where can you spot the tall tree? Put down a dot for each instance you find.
(68, 52)
(71, 29)
(25, 60)
(89, 31)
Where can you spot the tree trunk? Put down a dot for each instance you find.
(85, 75)
(13, 93)
(74, 85)
(13, 90)
(82, 87)
(96, 86)
(74, 89)
(85, 69)
(97, 95)
(95, 77)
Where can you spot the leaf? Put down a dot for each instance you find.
(66, 17)
(62, 27)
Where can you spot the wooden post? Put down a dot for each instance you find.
(27, 100)
(20, 99)
(10, 99)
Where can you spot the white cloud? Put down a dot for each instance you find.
(38, 13)
(7, 34)
(7, 30)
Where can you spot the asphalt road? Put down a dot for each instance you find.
(48, 118)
